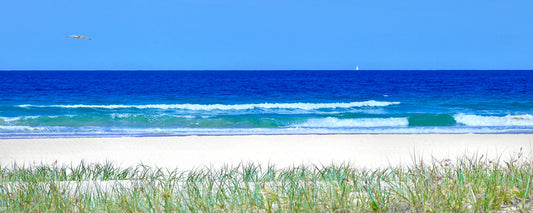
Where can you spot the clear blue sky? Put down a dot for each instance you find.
(266, 34)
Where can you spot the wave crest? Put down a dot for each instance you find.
(508, 120)
(207, 107)
(331, 122)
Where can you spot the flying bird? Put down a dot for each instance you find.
(79, 36)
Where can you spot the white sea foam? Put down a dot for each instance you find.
(31, 132)
(305, 106)
(11, 119)
(330, 122)
(121, 115)
(508, 120)
(22, 128)
(131, 115)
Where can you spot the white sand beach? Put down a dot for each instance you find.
(370, 151)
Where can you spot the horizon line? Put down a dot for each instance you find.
(200, 70)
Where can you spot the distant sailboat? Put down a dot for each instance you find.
(356, 67)
(79, 36)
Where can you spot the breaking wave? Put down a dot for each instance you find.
(331, 122)
(508, 120)
(305, 106)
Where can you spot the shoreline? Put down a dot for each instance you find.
(52, 136)
(189, 152)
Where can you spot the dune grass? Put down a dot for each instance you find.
(469, 184)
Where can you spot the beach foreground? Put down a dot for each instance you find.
(363, 151)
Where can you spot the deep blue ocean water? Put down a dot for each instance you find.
(160, 103)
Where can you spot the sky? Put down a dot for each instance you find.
(266, 34)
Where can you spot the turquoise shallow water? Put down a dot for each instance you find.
(160, 103)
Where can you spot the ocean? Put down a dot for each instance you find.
(178, 103)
